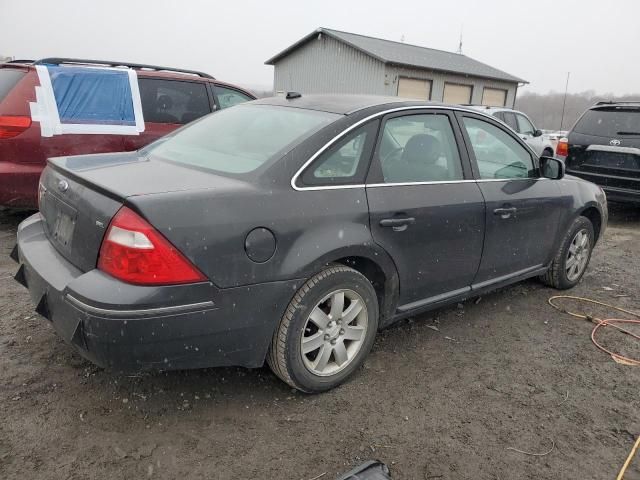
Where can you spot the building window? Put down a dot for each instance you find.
(457, 94)
(494, 97)
(414, 88)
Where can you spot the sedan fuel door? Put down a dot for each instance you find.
(425, 209)
(522, 209)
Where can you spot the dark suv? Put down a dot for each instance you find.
(169, 98)
(604, 147)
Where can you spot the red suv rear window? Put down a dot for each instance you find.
(8, 80)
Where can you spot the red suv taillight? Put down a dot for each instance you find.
(135, 252)
(13, 125)
(562, 149)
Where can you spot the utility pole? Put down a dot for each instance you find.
(460, 43)
(566, 87)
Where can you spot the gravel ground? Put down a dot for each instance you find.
(448, 395)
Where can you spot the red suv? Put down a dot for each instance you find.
(167, 98)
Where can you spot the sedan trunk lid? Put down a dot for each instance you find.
(79, 195)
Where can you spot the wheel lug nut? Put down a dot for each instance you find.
(339, 322)
(342, 331)
(326, 336)
(330, 324)
(333, 342)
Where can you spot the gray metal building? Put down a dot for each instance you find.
(330, 61)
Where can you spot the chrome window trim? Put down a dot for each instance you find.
(408, 184)
(356, 125)
(439, 182)
(405, 184)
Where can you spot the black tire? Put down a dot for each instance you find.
(557, 275)
(285, 355)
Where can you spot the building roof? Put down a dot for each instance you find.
(398, 53)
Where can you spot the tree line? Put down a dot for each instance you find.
(545, 109)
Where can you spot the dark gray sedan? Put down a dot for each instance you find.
(292, 230)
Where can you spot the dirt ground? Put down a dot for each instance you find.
(448, 395)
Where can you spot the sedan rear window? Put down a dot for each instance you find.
(610, 122)
(240, 139)
(8, 80)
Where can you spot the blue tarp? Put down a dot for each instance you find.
(92, 95)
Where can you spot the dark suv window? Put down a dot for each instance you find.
(8, 79)
(610, 122)
(173, 101)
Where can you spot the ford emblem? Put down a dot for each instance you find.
(63, 186)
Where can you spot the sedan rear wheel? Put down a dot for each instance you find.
(334, 332)
(326, 331)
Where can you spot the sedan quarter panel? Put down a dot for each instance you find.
(211, 228)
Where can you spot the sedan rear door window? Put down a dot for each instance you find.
(498, 154)
(419, 148)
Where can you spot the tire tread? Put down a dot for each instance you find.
(276, 358)
(552, 277)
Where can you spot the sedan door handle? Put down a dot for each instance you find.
(505, 212)
(398, 224)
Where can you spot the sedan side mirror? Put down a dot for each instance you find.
(537, 133)
(552, 168)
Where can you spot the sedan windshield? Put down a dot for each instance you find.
(242, 138)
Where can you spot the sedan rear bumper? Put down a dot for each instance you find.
(132, 328)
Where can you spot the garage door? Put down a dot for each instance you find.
(414, 88)
(494, 97)
(454, 93)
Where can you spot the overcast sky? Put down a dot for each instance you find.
(539, 40)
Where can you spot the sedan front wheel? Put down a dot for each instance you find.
(571, 260)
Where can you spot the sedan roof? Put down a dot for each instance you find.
(341, 104)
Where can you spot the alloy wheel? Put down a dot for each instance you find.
(577, 255)
(334, 332)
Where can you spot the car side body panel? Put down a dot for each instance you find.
(226, 224)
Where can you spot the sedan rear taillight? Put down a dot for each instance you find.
(13, 125)
(562, 150)
(135, 252)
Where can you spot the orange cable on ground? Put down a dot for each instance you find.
(607, 322)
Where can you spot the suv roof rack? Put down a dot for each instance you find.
(612, 102)
(20, 61)
(108, 63)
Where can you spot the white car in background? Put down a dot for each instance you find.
(523, 126)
